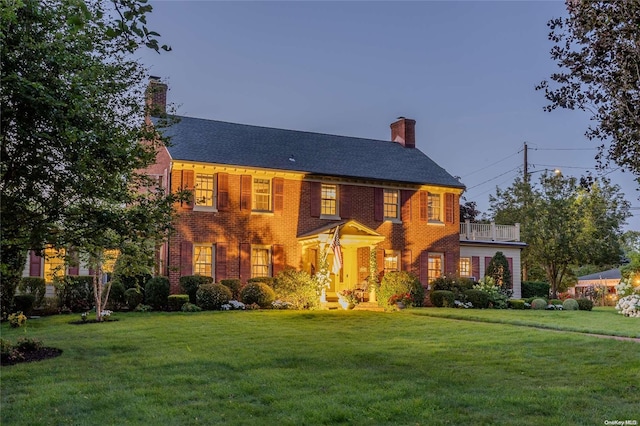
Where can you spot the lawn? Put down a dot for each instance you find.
(322, 367)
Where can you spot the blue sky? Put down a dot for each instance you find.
(465, 71)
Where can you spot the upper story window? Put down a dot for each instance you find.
(391, 263)
(434, 207)
(203, 260)
(329, 200)
(391, 208)
(262, 194)
(260, 261)
(205, 190)
(465, 267)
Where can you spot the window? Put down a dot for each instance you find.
(435, 266)
(434, 207)
(260, 262)
(203, 260)
(205, 190)
(262, 195)
(391, 261)
(109, 262)
(329, 200)
(465, 266)
(54, 266)
(391, 204)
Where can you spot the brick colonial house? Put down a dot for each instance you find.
(267, 199)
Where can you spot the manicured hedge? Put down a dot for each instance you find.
(258, 293)
(35, 286)
(516, 304)
(213, 296)
(75, 293)
(233, 285)
(585, 304)
(535, 289)
(24, 303)
(265, 280)
(442, 298)
(478, 298)
(176, 301)
(190, 284)
(570, 305)
(133, 297)
(538, 304)
(156, 292)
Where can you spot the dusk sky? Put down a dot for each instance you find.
(465, 71)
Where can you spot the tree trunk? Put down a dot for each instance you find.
(13, 261)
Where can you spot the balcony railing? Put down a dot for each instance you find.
(489, 232)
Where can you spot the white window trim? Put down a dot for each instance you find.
(337, 199)
(253, 196)
(441, 213)
(397, 255)
(433, 255)
(269, 259)
(391, 219)
(460, 268)
(203, 208)
(213, 258)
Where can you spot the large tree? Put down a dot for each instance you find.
(564, 223)
(597, 48)
(72, 122)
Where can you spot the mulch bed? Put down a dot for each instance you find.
(32, 356)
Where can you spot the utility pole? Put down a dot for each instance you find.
(526, 163)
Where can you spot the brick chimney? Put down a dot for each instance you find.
(156, 97)
(403, 131)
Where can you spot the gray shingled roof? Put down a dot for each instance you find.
(611, 274)
(210, 141)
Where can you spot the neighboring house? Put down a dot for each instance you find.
(479, 242)
(605, 282)
(267, 199)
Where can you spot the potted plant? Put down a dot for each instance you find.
(347, 299)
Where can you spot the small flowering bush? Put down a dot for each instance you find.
(233, 305)
(403, 298)
(626, 289)
(280, 304)
(464, 305)
(629, 306)
(17, 319)
(349, 296)
(497, 296)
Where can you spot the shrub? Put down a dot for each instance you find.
(233, 285)
(24, 303)
(116, 295)
(266, 280)
(516, 303)
(26, 344)
(190, 307)
(400, 283)
(585, 304)
(257, 293)
(17, 319)
(9, 353)
(555, 302)
(213, 296)
(539, 304)
(454, 284)
(143, 308)
(75, 293)
(133, 297)
(442, 298)
(498, 269)
(534, 289)
(156, 292)
(190, 284)
(35, 286)
(296, 288)
(478, 298)
(131, 281)
(570, 305)
(497, 296)
(176, 301)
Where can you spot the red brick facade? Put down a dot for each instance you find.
(234, 227)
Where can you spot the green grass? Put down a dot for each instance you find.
(602, 320)
(323, 367)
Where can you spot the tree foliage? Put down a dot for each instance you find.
(498, 270)
(72, 122)
(597, 48)
(564, 223)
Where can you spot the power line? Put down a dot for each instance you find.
(564, 149)
(492, 164)
(493, 178)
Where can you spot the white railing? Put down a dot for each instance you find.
(489, 232)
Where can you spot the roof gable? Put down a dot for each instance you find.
(218, 142)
